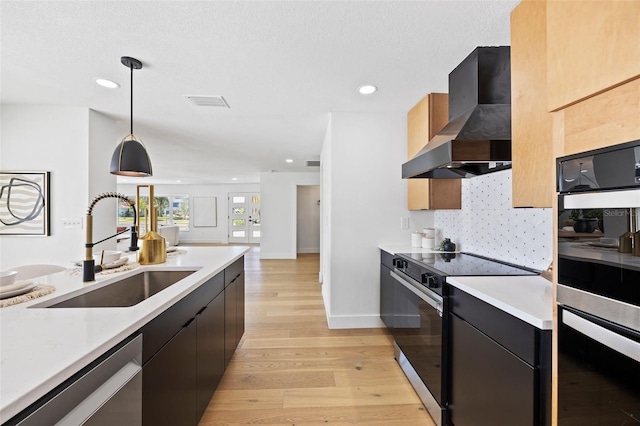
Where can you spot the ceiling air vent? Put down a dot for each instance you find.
(208, 101)
(313, 163)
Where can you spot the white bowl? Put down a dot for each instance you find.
(7, 278)
(110, 256)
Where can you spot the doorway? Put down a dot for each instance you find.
(308, 219)
(244, 217)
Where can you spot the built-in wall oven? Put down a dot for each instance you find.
(598, 291)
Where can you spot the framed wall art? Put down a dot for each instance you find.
(24, 203)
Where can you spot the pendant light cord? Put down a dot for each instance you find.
(131, 99)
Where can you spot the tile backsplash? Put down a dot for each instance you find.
(487, 224)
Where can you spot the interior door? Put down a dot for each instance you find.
(244, 217)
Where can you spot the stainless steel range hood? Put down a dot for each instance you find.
(477, 139)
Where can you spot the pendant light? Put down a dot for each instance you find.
(130, 157)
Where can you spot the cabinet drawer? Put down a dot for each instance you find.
(162, 328)
(232, 271)
(512, 333)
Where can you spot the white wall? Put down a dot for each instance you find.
(72, 143)
(216, 234)
(278, 211)
(489, 226)
(364, 198)
(103, 140)
(308, 213)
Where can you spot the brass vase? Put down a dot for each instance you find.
(153, 247)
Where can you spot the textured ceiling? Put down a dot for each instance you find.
(283, 67)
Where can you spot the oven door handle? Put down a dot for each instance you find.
(600, 334)
(429, 296)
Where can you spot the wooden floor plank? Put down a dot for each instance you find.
(291, 369)
(396, 415)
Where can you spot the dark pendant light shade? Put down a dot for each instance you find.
(130, 157)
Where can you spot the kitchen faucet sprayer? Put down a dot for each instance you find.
(88, 264)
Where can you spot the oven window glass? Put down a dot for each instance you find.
(609, 280)
(597, 386)
(418, 333)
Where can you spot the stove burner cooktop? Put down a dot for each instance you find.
(465, 264)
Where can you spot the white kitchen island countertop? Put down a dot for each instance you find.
(40, 347)
(528, 298)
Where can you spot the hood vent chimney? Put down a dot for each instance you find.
(477, 139)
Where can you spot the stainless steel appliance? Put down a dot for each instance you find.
(108, 392)
(418, 318)
(598, 291)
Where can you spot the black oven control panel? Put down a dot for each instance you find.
(420, 274)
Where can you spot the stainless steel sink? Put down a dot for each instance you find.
(126, 292)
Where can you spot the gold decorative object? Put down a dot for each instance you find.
(153, 247)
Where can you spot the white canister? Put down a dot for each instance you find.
(416, 239)
(429, 232)
(427, 242)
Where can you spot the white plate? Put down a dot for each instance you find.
(25, 289)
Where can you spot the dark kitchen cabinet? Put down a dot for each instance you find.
(230, 321)
(169, 382)
(210, 351)
(240, 309)
(185, 350)
(387, 289)
(500, 366)
(233, 307)
(233, 316)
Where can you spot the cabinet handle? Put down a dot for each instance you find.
(429, 296)
(600, 334)
(202, 310)
(189, 322)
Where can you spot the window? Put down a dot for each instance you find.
(172, 210)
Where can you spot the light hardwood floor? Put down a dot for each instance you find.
(291, 369)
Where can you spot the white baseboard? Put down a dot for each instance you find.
(277, 255)
(309, 250)
(354, 321)
(185, 241)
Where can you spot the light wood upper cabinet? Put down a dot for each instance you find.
(606, 119)
(533, 161)
(424, 121)
(592, 46)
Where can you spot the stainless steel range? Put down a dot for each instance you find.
(417, 318)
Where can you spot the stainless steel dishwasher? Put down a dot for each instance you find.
(109, 392)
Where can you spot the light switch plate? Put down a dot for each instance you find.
(72, 223)
(404, 223)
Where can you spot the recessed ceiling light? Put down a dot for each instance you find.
(289, 160)
(367, 89)
(178, 181)
(234, 178)
(107, 83)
